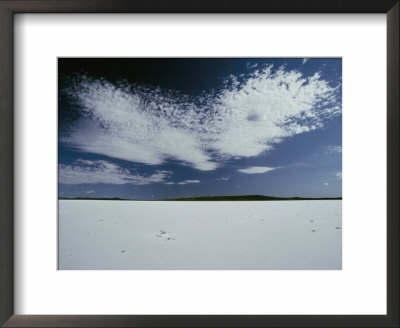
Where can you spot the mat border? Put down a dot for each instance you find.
(10, 7)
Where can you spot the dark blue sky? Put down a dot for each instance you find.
(165, 128)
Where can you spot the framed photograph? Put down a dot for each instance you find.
(183, 163)
(165, 166)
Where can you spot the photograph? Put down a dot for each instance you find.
(199, 163)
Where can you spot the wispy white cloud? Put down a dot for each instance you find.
(251, 65)
(89, 191)
(188, 181)
(339, 175)
(326, 184)
(305, 60)
(256, 169)
(334, 150)
(91, 172)
(248, 116)
(298, 164)
(223, 179)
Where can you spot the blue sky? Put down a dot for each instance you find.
(164, 128)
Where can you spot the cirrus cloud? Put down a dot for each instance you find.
(256, 169)
(246, 117)
(334, 150)
(188, 181)
(92, 172)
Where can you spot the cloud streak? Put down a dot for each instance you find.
(334, 150)
(256, 169)
(246, 117)
(92, 172)
(188, 182)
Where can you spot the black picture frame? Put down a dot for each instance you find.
(10, 7)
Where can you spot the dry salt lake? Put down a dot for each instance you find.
(200, 235)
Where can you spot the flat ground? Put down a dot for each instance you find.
(279, 235)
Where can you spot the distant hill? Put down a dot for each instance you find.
(89, 198)
(245, 198)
